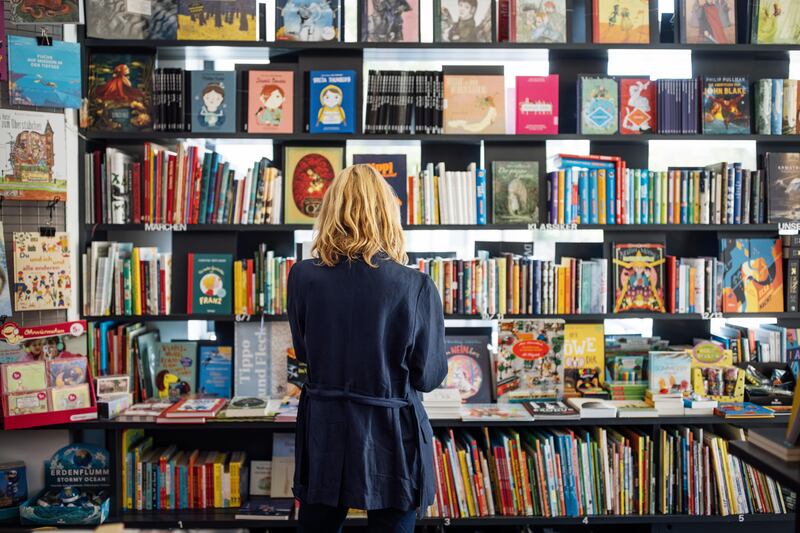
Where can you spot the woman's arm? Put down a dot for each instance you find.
(428, 364)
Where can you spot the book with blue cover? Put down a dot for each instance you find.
(598, 99)
(213, 99)
(332, 95)
(48, 76)
(216, 371)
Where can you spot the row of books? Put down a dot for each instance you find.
(260, 283)
(403, 101)
(439, 196)
(776, 107)
(168, 99)
(766, 343)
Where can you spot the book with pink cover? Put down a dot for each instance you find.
(474, 100)
(537, 105)
(270, 101)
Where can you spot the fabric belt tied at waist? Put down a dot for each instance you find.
(322, 393)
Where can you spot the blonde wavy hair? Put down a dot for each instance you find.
(359, 218)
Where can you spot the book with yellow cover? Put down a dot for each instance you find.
(621, 21)
(584, 358)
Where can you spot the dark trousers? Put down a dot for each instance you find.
(318, 518)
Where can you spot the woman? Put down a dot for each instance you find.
(372, 333)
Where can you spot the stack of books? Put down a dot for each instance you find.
(442, 404)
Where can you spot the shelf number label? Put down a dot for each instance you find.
(712, 314)
(242, 317)
(164, 227)
(585, 520)
(447, 521)
(740, 518)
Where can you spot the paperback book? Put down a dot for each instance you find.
(270, 101)
(551, 411)
(212, 20)
(670, 373)
(157, 19)
(537, 105)
(55, 12)
(215, 371)
(584, 359)
(457, 21)
(704, 22)
(395, 21)
(726, 106)
(469, 367)
(309, 172)
(474, 102)
(783, 194)
(753, 275)
(637, 106)
(776, 22)
(332, 96)
(599, 105)
(515, 187)
(307, 20)
(46, 76)
(639, 278)
(43, 267)
(477, 412)
(530, 360)
(213, 101)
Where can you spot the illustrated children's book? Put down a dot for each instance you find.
(742, 410)
(726, 106)
(210, 284)
(670, 373)
(195, 408)
(515, 187)
(530, 360)
(307, 20)
(216, 371)
(639, 278)
(68, 398)
(395, 21)
(44, 12)
(637, 109)
(621, 21)
(537, 104)
(474, 100)
(393, 168)
(332, 98)
(212, 20)
(538, 21)
(270, 101)
(783, 194)
(477, 412)
(117, 19)
(459, 21)
(24, 377)
(776, 22)
(43, 272)
(262, 354)
(469, 367)
(48, 76)
(584, 361)
(67, 371)
(708, 22)
(174, 369)
(599, 105)
(119, 91)
(753, 275)
(213, 99)
(309, 172)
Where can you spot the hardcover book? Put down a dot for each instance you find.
(776, 22)
(66, 371)
(621, 21)
(783, 183)
(265, 508)
(261, 365)
(195, 408)
(309, 172)
(125, 19)
(68, 398)
(726, 106)
(538, 21)
(248, 407)
(213, 101)
(639, 278)
(529, 363)
(742, 410)
(474, 103)
(393, 168)
(584, 359)
(515, 187)
(43, 267)
(670, 373)
(708, 22)
(307, 20)
(216, 371)
(210, 284)
(332, 97)
(637, 110)
(44, 12)
(537, 105)
(393, 21)
(599, 105)
(47, 76)
(119, 91)
(550, 411)
(469, 367)
(212, 20)
(753, 275)
(458, 21)
(479, 412)
(24, 377)
(270, 101)
(174, 367)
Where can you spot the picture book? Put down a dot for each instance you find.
(550, 411)
(726, 106)
(537, 105)
(213, 101)
(457, 21)
(282, 465)
(66, 371)
(621, 21)
(33, 156)
(174, 368)
(670, 373)
(68, 398)
(538, 21)
(212, 20)
(43, 272)
(753, 275)
(124, 19)
(776, 22)
(270, 101)
(210, 284)
(24, 377)
(27, 403)
(262, 353)
(44, 12)
(742, 410)
(584, 360)
(393, 168)
(515, 187)
(5, 281)
(308, 20)
(332, 97)
(639, 278)
(478, 412)
(260, 478)
(250, 407)
(783, 184)
(469, 367)
(47, 76)
(119, 91)
(637, 106)
(3, 51)
(195, 408)
(393, 21)
(308, 172)
(708, 22)
(474, 103)
(216, 371)
(599, 105)
(530, 360)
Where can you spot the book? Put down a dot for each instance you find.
(529, 362)
(308, 20)
(69, 398)
(43, 268)
(708, 22)
(538, 21)
(515, 187)
(621, 21)
(639, 277)
(213, 101)
(282, 465)
(308, 173)
(215, 371)
(195, 408)
(637, 109)
(210, 284)
(775, 22)
(24, 376)
(174, 367)
(551, 411)
(599, 105)
(584, 359)
(44, 76)
(752, 275)
(474, 103)
(726, 106)
(783, 198)
(735, 410)
(592, 408)
(27, 403)
(479, 412)
(404, 101)
(670, 373)
(633, 409)
(270, 101)
(265, 509)
(390, 22)
(393, 167)
(248, 407)
(53, 12)
(210, 20)
(469, 367)
(472, 22)
(260, 478)
(157, 19)
(261, 364)
(332, 97)
(119, 91)
(66, 371)
(537, 105)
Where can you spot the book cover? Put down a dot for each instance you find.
(550, 410)
(670, 373)
(458, 21)
(210, 284)
(752, 275)
(119, 90)
(515, 187)
(212, 20)
(265, 508)
(27, 403)
(637, 107)
(216, 371)
(44, 12)
(175, 367)
(474, 103)
(5, 283)
(332, 96)
(599, 105)
(270, 101)
(708, 21)
(539, 21)
(529, 362)
(537, 105)
(621, 21)
(393, 21)
(33, 156)
(479, 412)
(783, 187)
(584, 358)
(66, 371)
(24, 377)
(309, 172)
(261, 363)
(118, 19)
(43, 272)
(469, 367)
(260, 477)
(47, 76)
(307, 20)
(639, 278)
(742, 410)
(726, 106)
(213, 101)
(776, 22)
(282, 465)
(195, 408)
(393, 167)
(68, 398)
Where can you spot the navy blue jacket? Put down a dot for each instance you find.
(373, 338)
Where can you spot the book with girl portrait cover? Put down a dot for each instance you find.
(332, 97)
(213, 104)
(269, 99)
